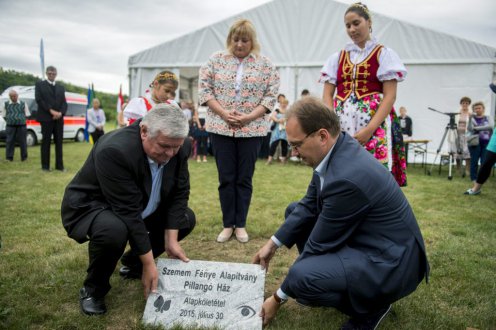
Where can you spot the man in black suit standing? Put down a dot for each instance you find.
(360, 245)
(52, 107)
(134, 186)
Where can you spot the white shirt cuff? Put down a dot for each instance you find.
(276, 241)
(282, 295)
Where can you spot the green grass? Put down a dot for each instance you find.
(41, 269)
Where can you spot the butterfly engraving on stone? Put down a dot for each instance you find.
(161, 304)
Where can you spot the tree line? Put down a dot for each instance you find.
(14, 78)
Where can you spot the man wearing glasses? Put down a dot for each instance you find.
(359, 242)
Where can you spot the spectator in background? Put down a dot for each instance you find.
(279, 132)
(480, 127)
(305, 93)
(406, 127)
(239, 86)
(96, 120)
(488, 164)
(15, 112)
(463, 152)
(187, 110)
(405, 123)
(52, 107)
(200, 134)
(265, 148)
(280, 97)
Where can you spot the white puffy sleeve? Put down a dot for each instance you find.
(329, 71)
(390, 66)
(135, 109)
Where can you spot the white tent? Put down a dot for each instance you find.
(298, 36)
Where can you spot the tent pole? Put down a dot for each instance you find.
(296, 78)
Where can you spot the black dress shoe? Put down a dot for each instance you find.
(130, 273)
(91, 305)
(366, 322)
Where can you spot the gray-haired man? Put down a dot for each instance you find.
(133, 187)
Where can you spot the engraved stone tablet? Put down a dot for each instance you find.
(207, 294)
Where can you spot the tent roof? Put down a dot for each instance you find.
(305, 33)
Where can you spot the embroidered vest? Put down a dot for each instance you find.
(359, 78)
(15, 114)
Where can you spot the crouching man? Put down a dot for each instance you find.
(360, 245)
(134, 186)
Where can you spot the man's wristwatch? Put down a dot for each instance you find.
(278, 299)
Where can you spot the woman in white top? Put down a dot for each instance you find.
(360, 85)
(96, 120)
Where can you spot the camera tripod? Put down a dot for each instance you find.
(451, 132)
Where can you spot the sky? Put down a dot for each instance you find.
(90, 41)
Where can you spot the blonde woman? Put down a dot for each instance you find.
(239, 86)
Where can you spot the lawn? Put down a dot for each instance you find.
(41, 269)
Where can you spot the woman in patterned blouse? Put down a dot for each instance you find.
(239, 86)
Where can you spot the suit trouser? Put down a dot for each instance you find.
(49, 128)
(235, 159)
(318, 280)
(15, 133)
(108, 238)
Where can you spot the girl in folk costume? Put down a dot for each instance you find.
(364, 77)
(163, 89)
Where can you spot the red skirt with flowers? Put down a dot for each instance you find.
(386, 144)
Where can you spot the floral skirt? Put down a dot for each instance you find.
(386, 144)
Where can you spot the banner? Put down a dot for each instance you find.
(120, 102)
(91, 96)
(42, 59)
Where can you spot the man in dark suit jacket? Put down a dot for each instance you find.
(134, 186)
(52, 107)
(360, 245)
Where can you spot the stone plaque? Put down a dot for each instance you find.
(207, 294)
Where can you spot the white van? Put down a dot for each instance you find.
(74, 119)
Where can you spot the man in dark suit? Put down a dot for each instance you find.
(134, 186)
(52, 107)
(360, 245)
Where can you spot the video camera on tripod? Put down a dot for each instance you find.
(452, 132)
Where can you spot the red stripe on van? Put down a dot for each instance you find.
(78, 100)
(79, 121)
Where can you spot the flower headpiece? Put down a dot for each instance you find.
(166, 75)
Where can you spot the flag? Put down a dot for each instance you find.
(42, 59)
(91, 95)
(120, 102)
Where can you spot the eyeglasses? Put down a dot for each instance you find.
(298, 144)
